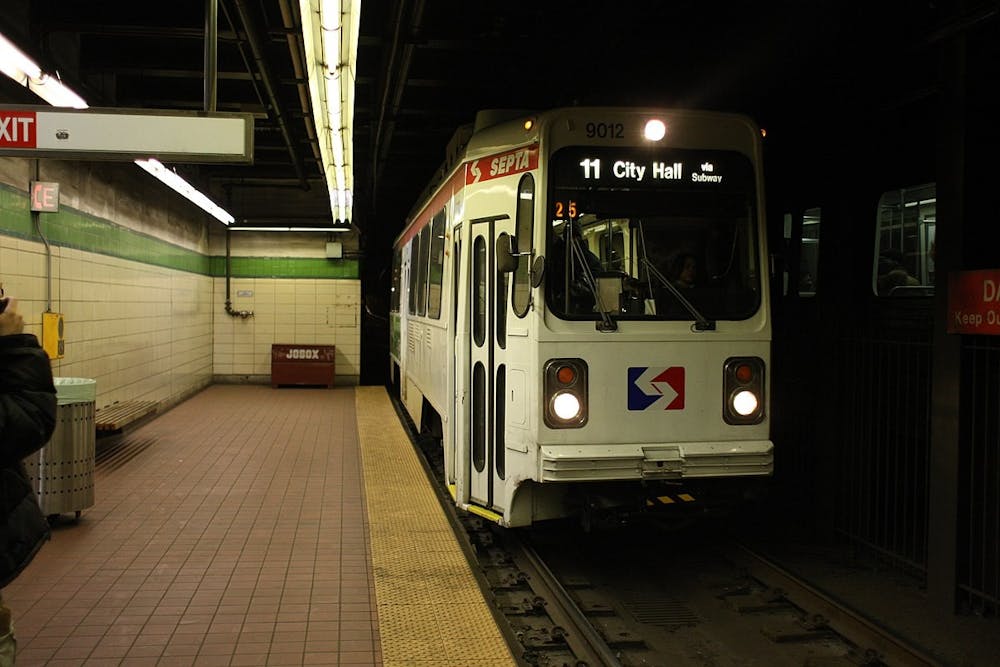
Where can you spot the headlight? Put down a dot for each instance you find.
(565, 386)
(743, 390)
(566, 406)
(745, 403)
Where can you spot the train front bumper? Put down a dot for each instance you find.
(685, 460)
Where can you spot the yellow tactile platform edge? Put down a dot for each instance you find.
(430, 608)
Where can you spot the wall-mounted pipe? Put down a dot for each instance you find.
(243, 314)
(37, 221)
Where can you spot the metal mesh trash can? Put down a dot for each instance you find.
(62, 471)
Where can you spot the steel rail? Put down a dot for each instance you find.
(865, 633)
(593, 650)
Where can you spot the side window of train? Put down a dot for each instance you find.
(397, 266)
(414, 256)
(807, 238)
(904, 242)
(521, 297)
(479, 291)
(425, 252)
(457, 258)
(436, 271)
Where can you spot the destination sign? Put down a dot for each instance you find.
(655, 170)
(635, 167)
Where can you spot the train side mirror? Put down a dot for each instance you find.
(506, 259)
(537, 271)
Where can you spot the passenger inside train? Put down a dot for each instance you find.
(573, 264)
(635, 266)
(684, 270)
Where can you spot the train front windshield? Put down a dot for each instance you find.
(664, 235)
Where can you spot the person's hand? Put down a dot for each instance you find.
(11, 321)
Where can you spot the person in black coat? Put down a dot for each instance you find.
(27, 419)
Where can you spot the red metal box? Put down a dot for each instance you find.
(302, 365)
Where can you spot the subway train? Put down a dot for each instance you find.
(580, 312)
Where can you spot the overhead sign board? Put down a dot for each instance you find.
(974, 302)
(125, 134)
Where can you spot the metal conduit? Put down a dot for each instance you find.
(397, 84)
(211, 53)
(291, 21)
(257, 49)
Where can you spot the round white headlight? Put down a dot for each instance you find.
(566, 406)
(655, 129)
(745, 403)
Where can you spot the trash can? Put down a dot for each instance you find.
(62, 471)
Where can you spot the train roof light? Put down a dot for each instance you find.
(529, 123)
(655, 129)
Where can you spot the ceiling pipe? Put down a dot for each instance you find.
(380, 111)
(387, 82)
(292, 23)
(211, 53)
(257, 49)
(397, 90)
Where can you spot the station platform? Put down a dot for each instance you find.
(257, 526)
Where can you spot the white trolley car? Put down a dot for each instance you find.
(580, 311)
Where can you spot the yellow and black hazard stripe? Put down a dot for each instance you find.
(666, 501)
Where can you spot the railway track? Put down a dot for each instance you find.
(645, 596)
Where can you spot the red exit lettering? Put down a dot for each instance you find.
(17, 129)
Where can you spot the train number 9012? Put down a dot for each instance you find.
(605, 130)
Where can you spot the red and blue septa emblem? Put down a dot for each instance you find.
(660, 387)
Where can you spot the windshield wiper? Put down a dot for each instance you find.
(702, 323)
(607, 323)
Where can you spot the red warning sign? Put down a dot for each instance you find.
(974, 302)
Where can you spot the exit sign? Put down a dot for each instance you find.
(125, 135)
(45, 196)
(17, 129)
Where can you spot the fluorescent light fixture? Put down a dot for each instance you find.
(330, 38)
(15, 64)
(325, 230)
(181, 186)
(21, 68)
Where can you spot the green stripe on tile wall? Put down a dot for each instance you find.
(286, 267)
(70, 228)
(74, 229)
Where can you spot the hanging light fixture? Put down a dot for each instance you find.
(330, 39)
(21, 68)
(15, 64)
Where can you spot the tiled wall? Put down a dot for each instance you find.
(141, 331)
(144, 302)
(293, 311)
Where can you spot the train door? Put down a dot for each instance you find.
(487, 328)
(458, 426)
